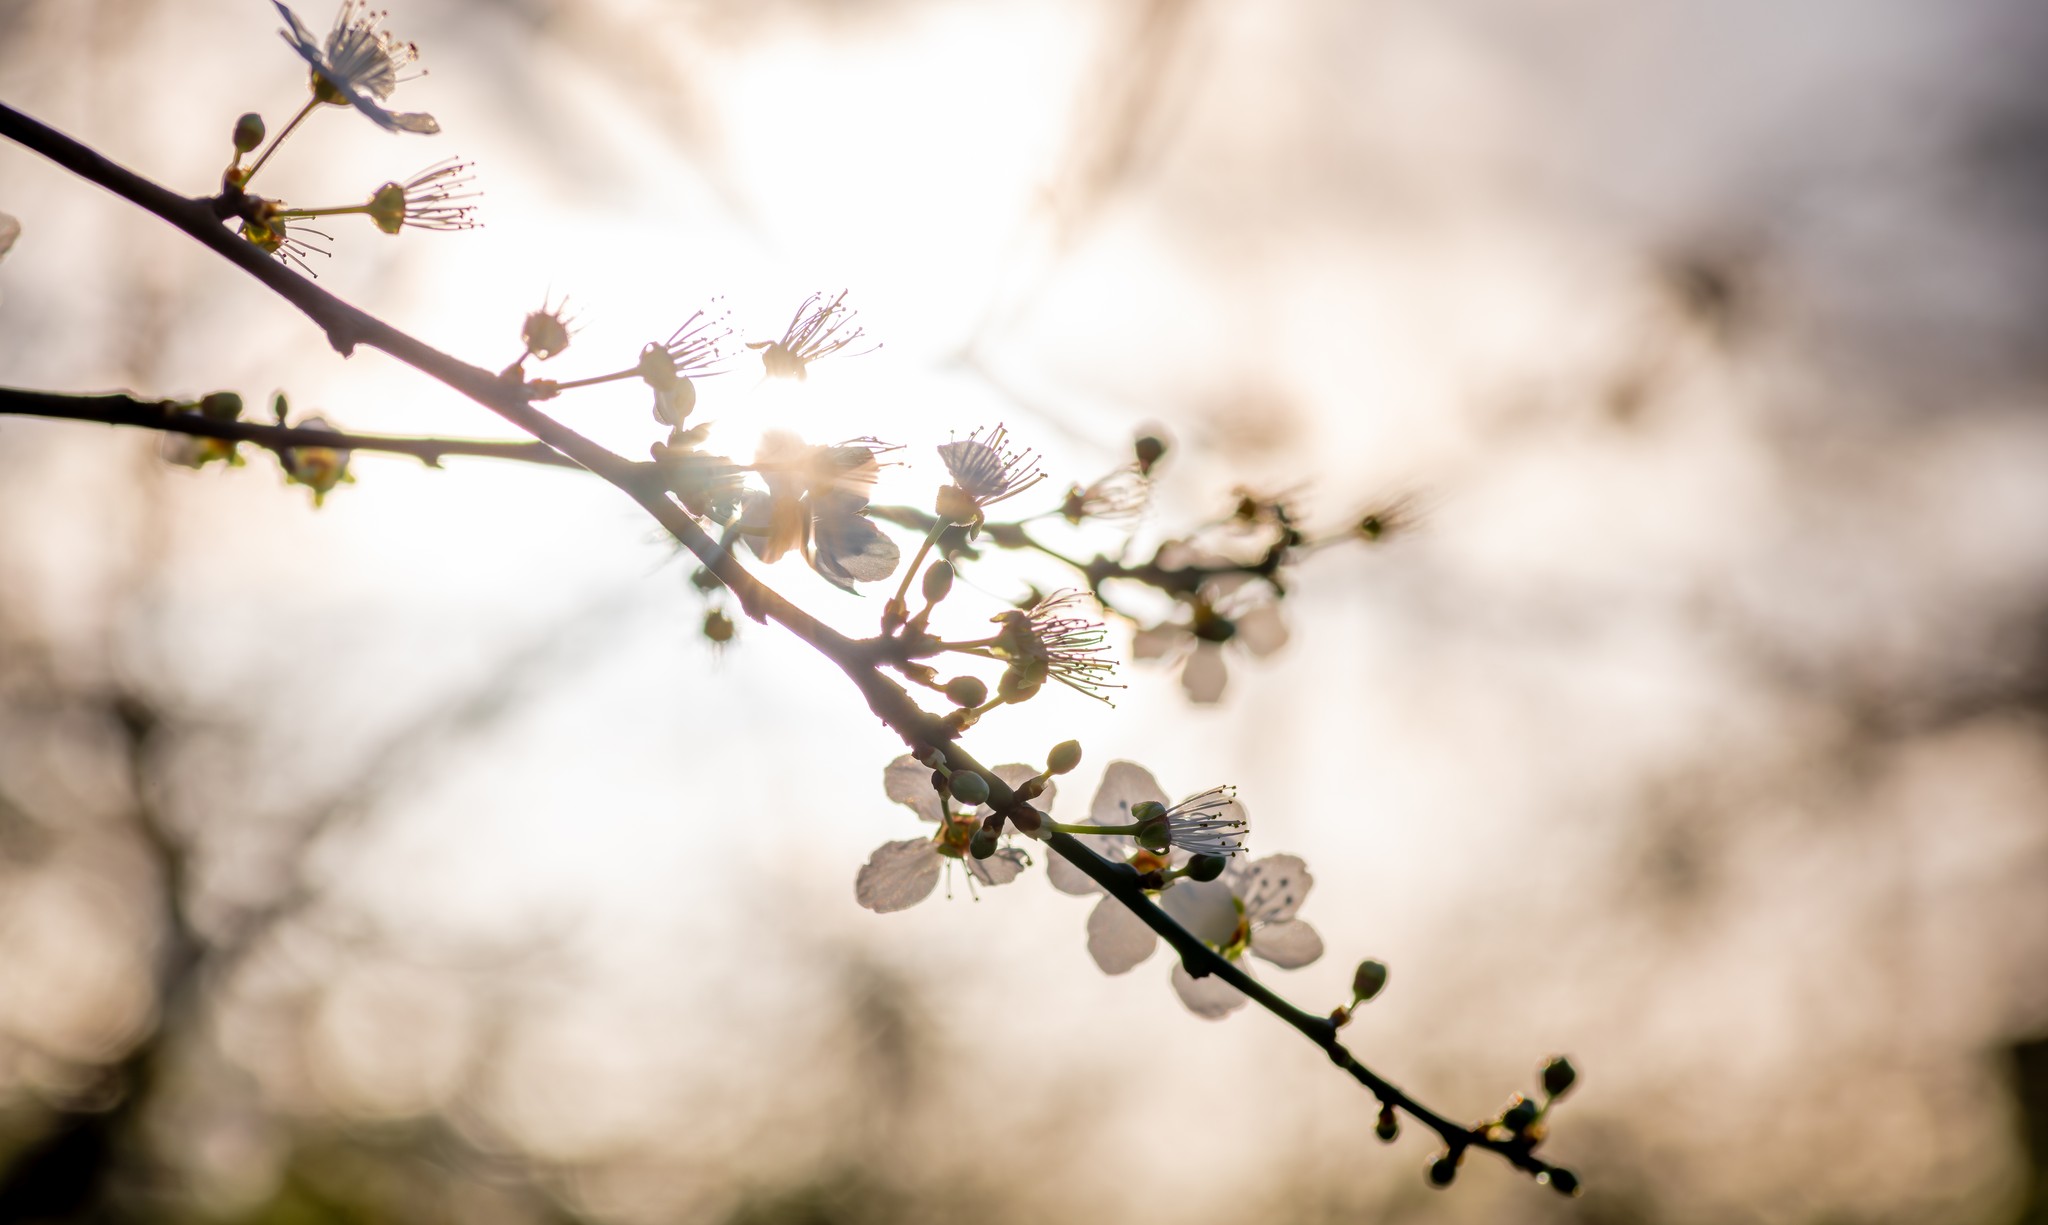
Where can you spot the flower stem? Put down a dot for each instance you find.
(279, 138)
(594, 380)
(930, 538)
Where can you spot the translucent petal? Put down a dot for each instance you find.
(1067, 878)
(1206, 673)
(898, 875)
(1289, 944)
(1118, 939)
(1000, 868)
(847, 549)
(909, 782)
(413, 121)
(1124, 783)
(1210, 998)
(1206, 908)
(1158, 641)
(10, 229)
(1263, 630)
(1274, 888)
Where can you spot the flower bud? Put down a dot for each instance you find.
(1443, 1170)
(221, 406)
(1150, 449)
(248, 132)
(938, 581)
(966, 691)
(1206, 867)
(1562, 1181)
(1018, 684)
(1519, 1115)
(983, 844)
(718, 627)
(1388, 1126)
(1558, 1076)
(1367, 980)
(1064, 757)
(969, 788)
(1155, 838)
(704, 580)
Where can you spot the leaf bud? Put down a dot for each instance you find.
(1388, 1126)
(966, 691)
(248, 132)
(1206, 867)
(1558, 1076)
(969, 787)
(1367, 980)
(983, 844)
(1064, 757)
(1149, 449)
(938, 581)
(1562, 1181)
(1443, 1170)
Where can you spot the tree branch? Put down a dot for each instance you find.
(347, 327)
(171, 417)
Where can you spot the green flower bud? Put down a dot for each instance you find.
(718, 627)
(966, 691)
(248, 132)
(1443, 1170)
(1367, 980)
(1206, 867)
(969, 788)
(1558, 1076)
(1388, 1126)
(1150, 449)
(221, 406)
(1148, 810)
(1064, 757)
(1154, 838)
(983, 844)
(1018, 683)
(704, 580)
(938, 581)
(1562, 1181)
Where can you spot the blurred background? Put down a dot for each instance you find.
(415, 859)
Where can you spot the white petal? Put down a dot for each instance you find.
(1275, 887)
(1125, 783)
(1205, 908)
(1158, 641)
(10, 229)
(1067, 878)
(847, 549)
(1118, 939)
(1290, 944)
(414, 121)
(1210, 998)
(898, 875)
(908, 781)
(1205, 674)
(998, 869)
(1263, 630)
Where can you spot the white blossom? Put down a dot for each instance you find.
(901, 874)
(358, 64)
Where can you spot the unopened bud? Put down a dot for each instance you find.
(1207, 867)
(938, 581)
(1155, 838)
(248, 132)
(969, 788)
(1519, 1115)
(704, 580)
(966, 691)
(1367, 980)
(1388, 1126)
(983, 844)
(221, 406)
(1064, 757)
(1018, 684)
(1562, 1181)
(1150, 449)
(718, 627)
(1558, 1076)
(1443, 1170)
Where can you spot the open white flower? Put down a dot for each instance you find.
(1230, 607)
(817, 504)
(1250, 908)
(358, 64)
(901, 874)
